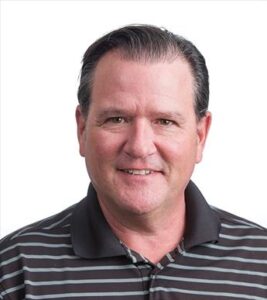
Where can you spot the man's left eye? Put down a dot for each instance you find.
(165, 122)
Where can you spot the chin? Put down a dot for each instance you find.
(140, 205)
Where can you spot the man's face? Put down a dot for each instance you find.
(141, 138)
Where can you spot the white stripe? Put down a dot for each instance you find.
(58, 222)
(37, 224)
(96, 294)
(222, 258)
(246, 248)
(6, 262)
(253, 225)
(13, 289)
(216, 269)
(78, 269)
(235, 226)
(10, 275)
(243, 237)
(36, 245)
(231, 295)
(46, 234)
(131, 255)
(170, 257)
(85, 281)
(214, 281)
(159, 265)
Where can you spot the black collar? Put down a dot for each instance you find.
(92, 237)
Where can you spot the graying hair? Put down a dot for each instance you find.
(149, 43)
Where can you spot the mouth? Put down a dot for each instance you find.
(142, 172)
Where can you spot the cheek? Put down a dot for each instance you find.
(103, 147)
(181, 151)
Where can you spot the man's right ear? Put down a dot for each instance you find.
(81, 129)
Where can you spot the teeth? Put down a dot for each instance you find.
(138, 172)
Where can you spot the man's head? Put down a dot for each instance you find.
(140, 136)
(145, 43)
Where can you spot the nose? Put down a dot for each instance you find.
(140, 141)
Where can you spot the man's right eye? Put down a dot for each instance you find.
(116, 120)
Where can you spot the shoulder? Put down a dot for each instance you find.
(53, 224)
(229, 220)
(37, 242)
(36, 237)
(236, 230)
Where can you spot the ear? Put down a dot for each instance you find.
(203, 127)
(81, 129)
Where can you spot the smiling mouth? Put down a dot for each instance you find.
(143, 172)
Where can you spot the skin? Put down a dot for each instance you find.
(142, 119)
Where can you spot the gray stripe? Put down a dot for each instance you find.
(78, 269)
(205, 293)
(58, 222)
(46, 234)
(159, 266)
(244, 237)
(170, 258)
(31, 226)
(213, 281)
(13, 289)
(36, 245)
(235, 226)
(131, 255)
(231, 258)
(222, 270)
(10, 275)
(99, 294)
(246, 248)
(55, 257)
(252, 225)
(85, 281)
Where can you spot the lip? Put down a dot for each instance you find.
(139, 171)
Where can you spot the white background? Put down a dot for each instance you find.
(42, 43)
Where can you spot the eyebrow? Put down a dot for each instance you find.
(121, 112)
(111, 112)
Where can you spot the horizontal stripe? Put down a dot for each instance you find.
(212, 281)
(235, 226)
(38, 224)
(52, 235)
(252, 225)
(245, 248)
(21, 255)
(222, 258)
(45, 245)
(53, 225)
(243, 237)
(85, 281)
(217, 269)
(13, 289)
(207, 293)
(10, 275)
(78, 269)
(99, 294)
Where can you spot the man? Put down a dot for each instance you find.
(144, 231)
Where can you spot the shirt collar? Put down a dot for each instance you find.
(202, 223)
(92, 237)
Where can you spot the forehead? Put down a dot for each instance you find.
(114, 68)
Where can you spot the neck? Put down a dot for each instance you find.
(152, 235)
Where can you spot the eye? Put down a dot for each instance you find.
(116, 120)
(165, 122)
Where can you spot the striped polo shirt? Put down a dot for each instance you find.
(75, 255)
